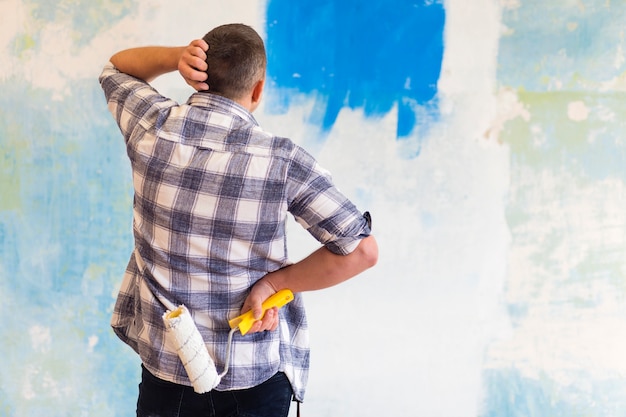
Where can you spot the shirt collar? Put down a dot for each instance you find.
(222, 104)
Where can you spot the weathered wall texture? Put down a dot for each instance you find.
(485, 137)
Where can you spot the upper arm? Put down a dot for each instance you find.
(322, 209)
(131, 101)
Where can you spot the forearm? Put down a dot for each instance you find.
(323, 269)
(149, 62)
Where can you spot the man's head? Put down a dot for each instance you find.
(236, 60)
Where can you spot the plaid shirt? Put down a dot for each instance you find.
(212, 193)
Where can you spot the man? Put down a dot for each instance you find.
(212, 192)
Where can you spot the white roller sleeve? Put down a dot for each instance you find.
(182, 333)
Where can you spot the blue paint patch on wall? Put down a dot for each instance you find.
(85, 18)
(512, 394)
(560, 42)
(65, 238)
(371, 55)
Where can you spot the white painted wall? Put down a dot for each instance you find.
(408, 337)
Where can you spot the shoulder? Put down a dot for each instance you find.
(118, 86)
(261, 141)
(292, 153)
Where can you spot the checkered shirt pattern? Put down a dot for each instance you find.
(211, 195)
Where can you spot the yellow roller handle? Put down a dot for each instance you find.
(246, 320)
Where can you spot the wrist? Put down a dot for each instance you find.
(169, 58)
(273, 280)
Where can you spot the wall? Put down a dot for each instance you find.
(483, 136)
(564, 290)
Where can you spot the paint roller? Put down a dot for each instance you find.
(182, 333)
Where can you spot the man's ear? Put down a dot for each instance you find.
(257, 93)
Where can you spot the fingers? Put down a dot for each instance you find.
(201, 43)
(197, 51)
(192, 65)
(259, 293)
(270, 319)
(269, 322)
(196, 59)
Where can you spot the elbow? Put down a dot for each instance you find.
(368, 251)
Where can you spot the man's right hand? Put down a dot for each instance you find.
(192, 65)
(260, 292)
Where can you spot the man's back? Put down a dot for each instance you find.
(212, 192)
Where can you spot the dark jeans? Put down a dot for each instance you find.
(158, 398)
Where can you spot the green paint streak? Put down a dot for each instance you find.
(567, 182)
(23, 43)
(589, 150)
(12, 151)
(548, 113)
